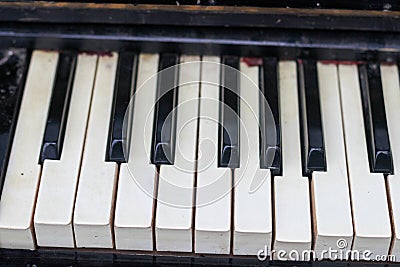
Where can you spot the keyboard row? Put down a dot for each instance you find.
(203, 154)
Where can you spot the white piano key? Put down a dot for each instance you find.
(252, 202)
(56, 197)
(134, 204)
(213, 196)
(391, 94)
(175, 183)
(371, 220)
(95, 195)
(330, 192)
(292, 201)
(23, 174)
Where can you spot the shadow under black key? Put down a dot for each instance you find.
(58, 112)
(124, 87)
(270, 135)
(311, 123)
(163, 145)
(228, 155)
(376, 131)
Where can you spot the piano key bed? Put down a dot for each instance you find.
(91, 175)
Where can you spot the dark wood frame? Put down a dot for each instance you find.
(196, 15)
(327, 34)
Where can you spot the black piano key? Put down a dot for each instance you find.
(376, 130)
(124, 85)
(270, 136)
(58, 111)
(163, 146)
(229, 113)
(13, 71)
(311, 122)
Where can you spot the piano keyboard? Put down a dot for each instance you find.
(179, 153)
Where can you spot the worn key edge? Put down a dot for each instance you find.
(21, 89)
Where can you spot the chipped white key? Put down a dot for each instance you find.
(213, 197)
(252, 202)
(368, 193)
(134, 204)
(292, 201)
(175, 186)
(23, 173)
(391, 94)
(95, 196)
(330, 191)
(56, 197)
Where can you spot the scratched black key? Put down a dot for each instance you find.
(310, 114)
(124, 85)
(13, 70)
(376, 131)
(58, 111)
(270, 132)
(163, 145)
(229, 113)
